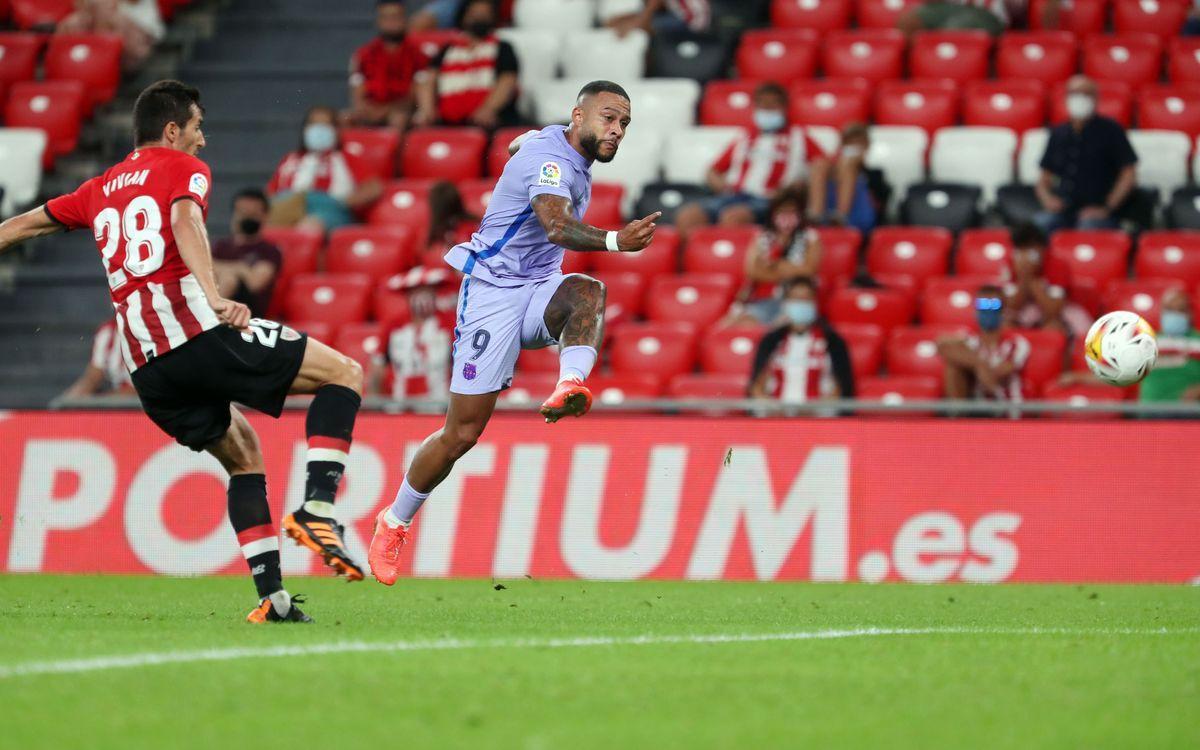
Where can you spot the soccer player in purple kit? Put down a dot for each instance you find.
(514, 295)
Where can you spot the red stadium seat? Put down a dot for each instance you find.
(433, 41)
(958, 55)
(53, 106)
(301, 249)
(1080, 17)
(337, 299)
(497, 155)
(1046, 56)
(822, 15)
(708, 386)
(1135, 59)
(613, 388)
(41, 14)
(1170, 108)
(374, 150)
(886, 308)
(404, 202)
(1169, 255)
(1045, 361)
(881, 14)
(1082, 395)
(719, 250)
(626, 294)
(661, 257)
(865, 343)
(1093, 258)
(730, 350)
(830, 102)
(1142, 296)
(574, 262)
(728, 103)
(781, 55)
(985, 252)
(529, 387)
(873, 54)
(1014, 104)
(665, 349)
(92, 59)
(917, 252)
(443, 154)
(1163, 18)
(912, 350)
(365, 343)
(925, 104)
(376, 251)
(320, 330)
(1116, 101)
(476, 194)
(1183, 59)
(839, 253)
(896, 389)
(19, 56)
(539, 360)
(605, 208)
(950, 300)
(698, 299)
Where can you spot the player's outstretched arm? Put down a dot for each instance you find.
(562, 228)
(191, 237)
(33, 223)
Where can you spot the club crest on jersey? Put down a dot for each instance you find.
(198, 185)
(469, 371)
(550, 175)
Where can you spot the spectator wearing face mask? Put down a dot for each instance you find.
(1176, 374)
(315, 186)
(986, 365)
(1088, 169)
(383, 71)
(472, 81)
(1031, 298)
(838, 192)
(804, 359)
(245, 263)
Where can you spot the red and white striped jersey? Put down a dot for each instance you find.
(1010, 348)
(159, 303)
(108, 356)
(332, 172)
(758, 164)
(697, 14)
(801, 369)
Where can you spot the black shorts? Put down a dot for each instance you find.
(187, 391)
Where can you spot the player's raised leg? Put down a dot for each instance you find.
(335, 381)
(575, 317)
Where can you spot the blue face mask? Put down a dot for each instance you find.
(319, 136)
(1175, 323)
(801, 312)
(988, 313)
(769, 120)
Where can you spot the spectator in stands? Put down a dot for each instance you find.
(105, 373)
(986, 365)
(1031, 299)
(804, 359)
(788, 250)
(382, 72)
(246, 264)
(433, 14)
(137, 22)
(473, 80)
(1088, 169)
(315, 186)
(1176, 374)
(418, 352)
(838, 191)
(665, 16)
(992, 16)
(449, 221)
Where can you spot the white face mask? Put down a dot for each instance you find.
(320, 136)
(852, 152)
(1080, 106)
(769, 120)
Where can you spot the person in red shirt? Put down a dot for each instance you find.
(105, 372)
(986, 365)
(383, 70)
(192, 353)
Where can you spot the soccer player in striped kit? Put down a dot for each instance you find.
(192, 353)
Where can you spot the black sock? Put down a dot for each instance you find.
(251, 518)
(329, 427)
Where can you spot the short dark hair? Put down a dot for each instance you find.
(771, 87)
(800, 281)
(254, 194)
(602, 87)
(389, 2)
(160, 104)
(465, 5)
(1028, 235)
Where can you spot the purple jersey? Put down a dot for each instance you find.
(511, 247)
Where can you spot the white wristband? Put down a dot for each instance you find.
(610, 241)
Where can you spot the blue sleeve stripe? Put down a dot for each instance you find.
(500, 243)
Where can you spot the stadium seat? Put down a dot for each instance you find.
(667, 197)
(821, 15)
(917, 252)
(374, 150)
(626, 294)
(1014, 104)
(1183, 209)
(939, 204)
(554, 16)
(730, 350)
(950, 300)
(1082, 395)
(1017, 204)
(612, 388)
(1080, 17)
(92, 59)
(899, 152)
(537, 52)
(1046, 56)
(320, 330)
(695, 298)
(365, 343)
(957, 55)
(476, 194)
(830, 102)
(529, 387)
(984, 252)
(688, 54)
(1135, 59)
(976, 155)
(19, 56)
(839, 253)
(1116, 101)
(539, 360)
(1169, 108)
(40, 14)
(605, 207)
(719, 250)
(661, 257)
(781, 55)
(1162, 158)
(497, 154)
(896, 389)
(54, 107)
(1183, 59)
(1163, 18)
(728, 103)
(337, 299)
(912, 350)
(443, 153)
(1029, 158)
(925, 104)
(637, 164)
(690, 386)
(301, 249)
(872, 54)
(1045, 360)
(21, 151)
(1093, 258)
(378, 252)
(601, 54)
(1142, 296)
(865, 343)
(665, 349)
(404, 203)
(692, 151)
(881, 14)
(666, 104)
(886, 308)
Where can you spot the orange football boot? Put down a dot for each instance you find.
(571, 397)
(265, 612)
(386, 546)
(324, 537)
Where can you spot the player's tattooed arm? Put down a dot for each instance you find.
(562, 228)
(33, 223)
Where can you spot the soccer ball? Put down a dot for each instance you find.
(1120, 348)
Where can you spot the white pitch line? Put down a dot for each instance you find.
(152, 659)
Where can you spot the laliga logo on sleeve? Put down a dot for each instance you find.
(198, 185)
(551, 175)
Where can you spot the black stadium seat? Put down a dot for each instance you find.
(1017, 204)
(702, 57)
(731, 17)
(1183, 212)
(667, 197)
(941, 204)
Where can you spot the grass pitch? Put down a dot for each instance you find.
(541, 664)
